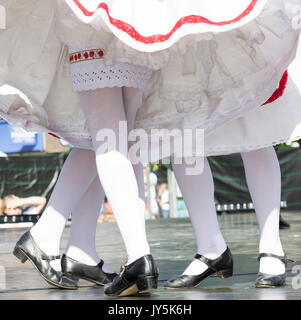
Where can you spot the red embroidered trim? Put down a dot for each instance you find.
(280, 91)
(54, 135)
(86, 55)
(192, 19)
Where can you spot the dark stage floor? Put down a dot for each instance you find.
(172, 244)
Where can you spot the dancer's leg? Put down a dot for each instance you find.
(132, 98)
(198, 194)
(79, 171)
(104, 109)
(264, 181)
(81, 245)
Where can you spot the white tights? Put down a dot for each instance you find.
(198, 194)
(79, 191)
(264, 181)
(67, 196)
(105, 108)
(74, 192)
(81, 244)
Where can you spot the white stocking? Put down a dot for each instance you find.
(104, 109)
(264, 181)
(78, 171)
(81, 245)
(132, 98)
(198, 194)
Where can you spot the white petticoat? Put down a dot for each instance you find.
(269, 125)
(194, 84)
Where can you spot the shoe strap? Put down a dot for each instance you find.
(101, 263)
(283, 259)
(203, 259)
(51, 258)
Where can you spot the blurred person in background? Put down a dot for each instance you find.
(163, 200)
(12, 205)
(107, 214)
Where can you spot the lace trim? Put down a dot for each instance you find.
(83, 139)
(94, 74)
(218, 151)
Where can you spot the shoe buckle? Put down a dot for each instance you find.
(51, 258)
(122, 270)
(287, 260)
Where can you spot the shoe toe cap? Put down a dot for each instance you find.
(270, 280)
(176, 283)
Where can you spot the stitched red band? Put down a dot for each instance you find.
(192, 19)
(280, 91)
(53, 135)
(86, 55)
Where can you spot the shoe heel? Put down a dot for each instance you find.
(224, 274)
(147, 284)
(19, 254)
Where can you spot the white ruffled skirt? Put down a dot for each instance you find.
(203, 80)
(266, 126)
(153, 25)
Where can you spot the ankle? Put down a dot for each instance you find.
(276, 249)
(81, 256)
(133, 258)
(215, 249)
(45, 244)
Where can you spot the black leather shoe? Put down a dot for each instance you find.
(264, 280)
(76, 270)
(139, 277)
(222, 266)
(283, 224)
(26, 248)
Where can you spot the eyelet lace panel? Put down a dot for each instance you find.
(91, 75)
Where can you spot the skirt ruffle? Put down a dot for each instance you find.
(152, 25)
(269, 125)
(275, 16)
(275, 123)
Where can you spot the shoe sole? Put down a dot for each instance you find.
(23, 257)
(132, 291)
(268, 286)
